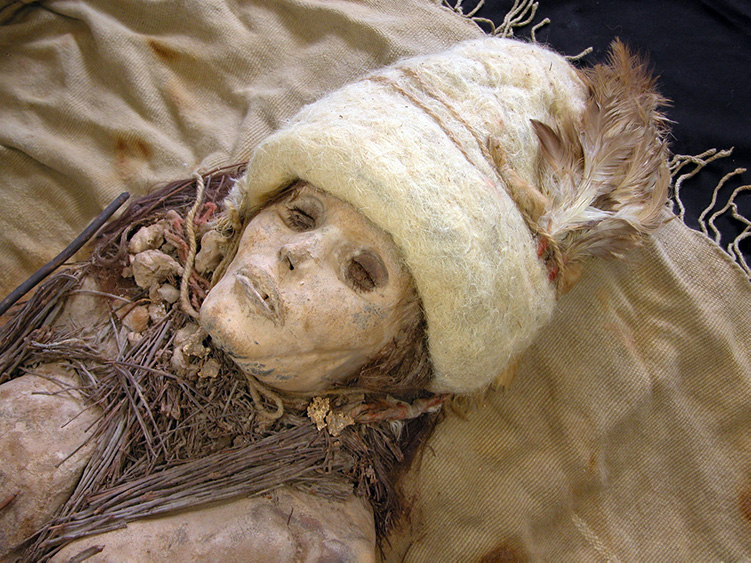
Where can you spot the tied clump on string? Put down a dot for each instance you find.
(180, 426)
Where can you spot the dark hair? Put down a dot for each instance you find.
(403, 367)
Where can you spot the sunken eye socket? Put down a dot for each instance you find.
(366, 272)
(302, 214)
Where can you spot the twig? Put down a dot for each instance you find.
(9, 500)
(86, 553)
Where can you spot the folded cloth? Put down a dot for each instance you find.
(102, 97)
(625, 435)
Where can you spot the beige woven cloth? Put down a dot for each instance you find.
(626, 434)
(99, 97)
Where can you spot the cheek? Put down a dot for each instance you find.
(337, 317)
(225, 318)
(262, 237)
(215, 314)
(369, 318)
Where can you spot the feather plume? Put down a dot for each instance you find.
(610, 169)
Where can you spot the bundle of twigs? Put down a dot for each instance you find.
(172, 439)
(37, 313)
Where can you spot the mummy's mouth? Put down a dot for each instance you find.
(258, 289)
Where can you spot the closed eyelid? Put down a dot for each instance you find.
(310, 202)
(302, 213)
(369, 264)
(302, 198)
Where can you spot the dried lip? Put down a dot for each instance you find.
(259, 288)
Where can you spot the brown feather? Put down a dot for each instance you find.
(561, 149)
(611, 167)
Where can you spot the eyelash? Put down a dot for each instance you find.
(359, 276)
(300, 220)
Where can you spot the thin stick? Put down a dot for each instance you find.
(9, 500)
(60, 259)
(86, 553)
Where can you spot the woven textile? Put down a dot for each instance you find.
(625, 435)
(626, 432)
(102, 97)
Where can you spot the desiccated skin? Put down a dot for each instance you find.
(314, 292)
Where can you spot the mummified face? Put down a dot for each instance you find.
(314, 292)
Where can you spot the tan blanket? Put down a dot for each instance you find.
(626, 433)
(100, 97)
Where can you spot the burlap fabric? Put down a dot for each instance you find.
(626, 433)
(101, 97)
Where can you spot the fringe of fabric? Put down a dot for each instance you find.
(728, 210)
(522, 14)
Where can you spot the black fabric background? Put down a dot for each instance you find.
(701, 52)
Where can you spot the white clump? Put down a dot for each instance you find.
(152, 267)
(157, 312)
(134, 338)
(188, 343)
(165, 293)
(147, 238)
(168, 293)
(211, 252)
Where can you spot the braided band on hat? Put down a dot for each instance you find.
(408, 148)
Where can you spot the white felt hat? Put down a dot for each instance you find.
(408, 147)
